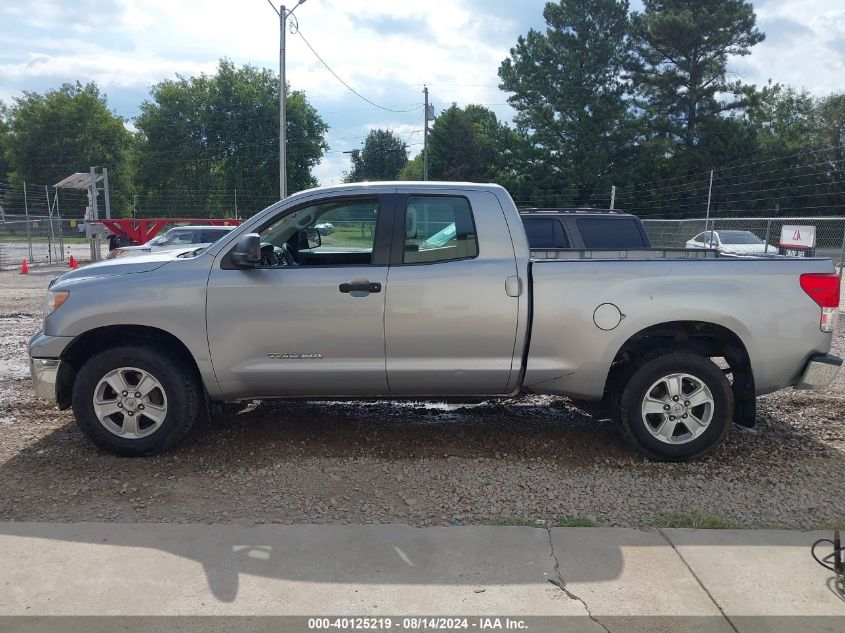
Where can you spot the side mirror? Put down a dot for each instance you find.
(247, 253)
(308, 239)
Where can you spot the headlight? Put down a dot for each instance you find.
(53, 300)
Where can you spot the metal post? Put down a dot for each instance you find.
(283, 178)
(106, 192)
(236, 203)
(842, 253)
(95, 215)
(50, 219)
(768, 230)
(28, 231)
(59, 218)
(709, 194)
(425, 134)
(612, 196)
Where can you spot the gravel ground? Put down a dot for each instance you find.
(424, 464)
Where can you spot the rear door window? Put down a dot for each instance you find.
(438, 229)
(610, 233)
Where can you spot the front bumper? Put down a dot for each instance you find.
(44, 354)
(821, 370)
(44, 372)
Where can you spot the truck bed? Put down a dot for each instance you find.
(760, 299)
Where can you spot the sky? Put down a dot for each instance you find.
(385, 49)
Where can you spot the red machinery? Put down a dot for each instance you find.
(142, 230)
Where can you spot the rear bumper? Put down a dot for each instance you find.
(44, 372)
(821, 370)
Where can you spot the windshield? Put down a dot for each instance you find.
(739, 237)
(173, 236)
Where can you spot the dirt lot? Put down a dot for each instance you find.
(519, 461)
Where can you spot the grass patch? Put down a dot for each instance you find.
(565, 521)
(511, 521)
(697, 519)
(835, 524)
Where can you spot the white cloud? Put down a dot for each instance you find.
(107, 69)
(385, 49)
(804, 47)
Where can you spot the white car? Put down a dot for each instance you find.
(180, 237)
(732, 243)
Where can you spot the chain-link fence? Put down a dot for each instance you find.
(41, 241)
(754, 236)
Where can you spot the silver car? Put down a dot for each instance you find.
(732, 242)
(179, 237)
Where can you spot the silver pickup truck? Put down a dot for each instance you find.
(429, 291)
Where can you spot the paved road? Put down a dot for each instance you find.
(582, 579)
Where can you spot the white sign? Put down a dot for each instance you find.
(793, 236)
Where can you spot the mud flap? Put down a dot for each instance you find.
(745, 402)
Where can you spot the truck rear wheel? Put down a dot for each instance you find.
(676, 407)
(136, 401)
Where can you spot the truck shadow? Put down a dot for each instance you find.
(222, 462)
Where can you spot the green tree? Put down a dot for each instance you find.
(784, 122)
(467, 144)
(413, 169)
(570, 97)
(383, 157)
(680, 67)
(51, 135)
(828, 139)
(828, 129)
(203, 137)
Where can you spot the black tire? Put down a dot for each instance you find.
(178, 379)
(634, 387)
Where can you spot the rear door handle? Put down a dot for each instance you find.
(360, 286)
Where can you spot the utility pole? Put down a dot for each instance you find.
(283, 14)
(709, 194)
(283, 158)
(425, 134)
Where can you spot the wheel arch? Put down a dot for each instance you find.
(98, 339)
(699, 337)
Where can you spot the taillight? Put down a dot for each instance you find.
(823, 288)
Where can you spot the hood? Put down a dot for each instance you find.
(120, 266)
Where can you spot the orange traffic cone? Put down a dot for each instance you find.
(24, 267)
(72, 263)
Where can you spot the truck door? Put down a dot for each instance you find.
(450, 324)
(310, 319)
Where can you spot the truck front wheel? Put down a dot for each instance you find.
(136, 400)
(676, 407)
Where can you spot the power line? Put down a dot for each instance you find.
(348, 87)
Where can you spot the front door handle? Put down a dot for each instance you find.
(360, 286)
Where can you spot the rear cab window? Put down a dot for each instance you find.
(606, 233)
